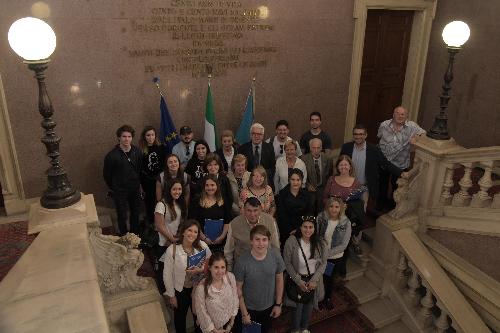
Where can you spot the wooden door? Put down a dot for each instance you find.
(385, 53)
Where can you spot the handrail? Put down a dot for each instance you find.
(467, 155)
(463, 316)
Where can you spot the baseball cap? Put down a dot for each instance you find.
(185, 130)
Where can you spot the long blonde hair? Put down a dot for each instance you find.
(330, 201)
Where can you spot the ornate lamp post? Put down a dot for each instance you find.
(455, 34)
(34, 41)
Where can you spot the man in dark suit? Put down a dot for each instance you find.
(319, 167)
(259, 152)
(368, 160)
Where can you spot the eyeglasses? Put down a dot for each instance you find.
(308, 218)
(255, 133)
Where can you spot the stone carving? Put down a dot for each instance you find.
(117, 261)
(406, 195)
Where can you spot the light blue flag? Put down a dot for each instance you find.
(243, 133)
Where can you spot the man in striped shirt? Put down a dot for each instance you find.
(396, 136)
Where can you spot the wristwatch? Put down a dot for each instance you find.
(278, 304)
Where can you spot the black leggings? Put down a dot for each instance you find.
(338, 270)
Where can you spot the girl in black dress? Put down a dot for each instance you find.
(153, 155)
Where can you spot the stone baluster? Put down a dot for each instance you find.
(424, 314)
(413, 296)
(442, 322)
(446, 196)
(402, 267)
(481, 198)
(462, 198)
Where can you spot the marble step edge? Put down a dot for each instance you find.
(396, 327)
(381, 312)
(363, 289)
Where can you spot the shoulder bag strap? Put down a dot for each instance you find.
(303, 255)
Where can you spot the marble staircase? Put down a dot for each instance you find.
(366, 285)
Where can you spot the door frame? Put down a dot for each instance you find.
(417, 54)
(10, 175)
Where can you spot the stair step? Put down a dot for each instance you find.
(354, 269)
(381, 312)
(146, 318)
(363, 289)
(396, 327)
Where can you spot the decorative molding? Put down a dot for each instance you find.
(10, 175)
(117, 260)
(417, 53)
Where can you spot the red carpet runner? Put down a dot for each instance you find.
(14, 240)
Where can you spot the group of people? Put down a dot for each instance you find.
(287, 214)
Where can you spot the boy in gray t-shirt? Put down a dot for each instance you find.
(259, 278)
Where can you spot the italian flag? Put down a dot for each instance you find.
(210, 135)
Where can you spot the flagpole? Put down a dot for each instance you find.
(157, 83)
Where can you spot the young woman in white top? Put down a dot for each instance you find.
(309, 280)
(173, 169)
(335, 229)
(168, 214)
(178, 279)
(216, 297)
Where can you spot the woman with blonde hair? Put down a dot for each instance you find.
(238, 178)
(334, 228)
(257, 187)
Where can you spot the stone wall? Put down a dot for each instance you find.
(108, 53)
(474, 120)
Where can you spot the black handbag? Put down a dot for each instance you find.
(293, 291)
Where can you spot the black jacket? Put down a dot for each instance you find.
(290, 210)
(121, 172)
(374, 161)
(267, 159)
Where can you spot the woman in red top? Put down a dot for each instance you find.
(345, 186)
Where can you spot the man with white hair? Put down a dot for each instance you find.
(259, 152)
(396, 137)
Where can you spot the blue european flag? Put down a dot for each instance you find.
(243, 133)
(168, 133)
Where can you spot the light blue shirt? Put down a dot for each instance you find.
(359, 161)
(180, 150)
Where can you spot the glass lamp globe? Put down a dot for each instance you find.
(456, 33)
(32, 39)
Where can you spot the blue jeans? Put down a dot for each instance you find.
(302, 315)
